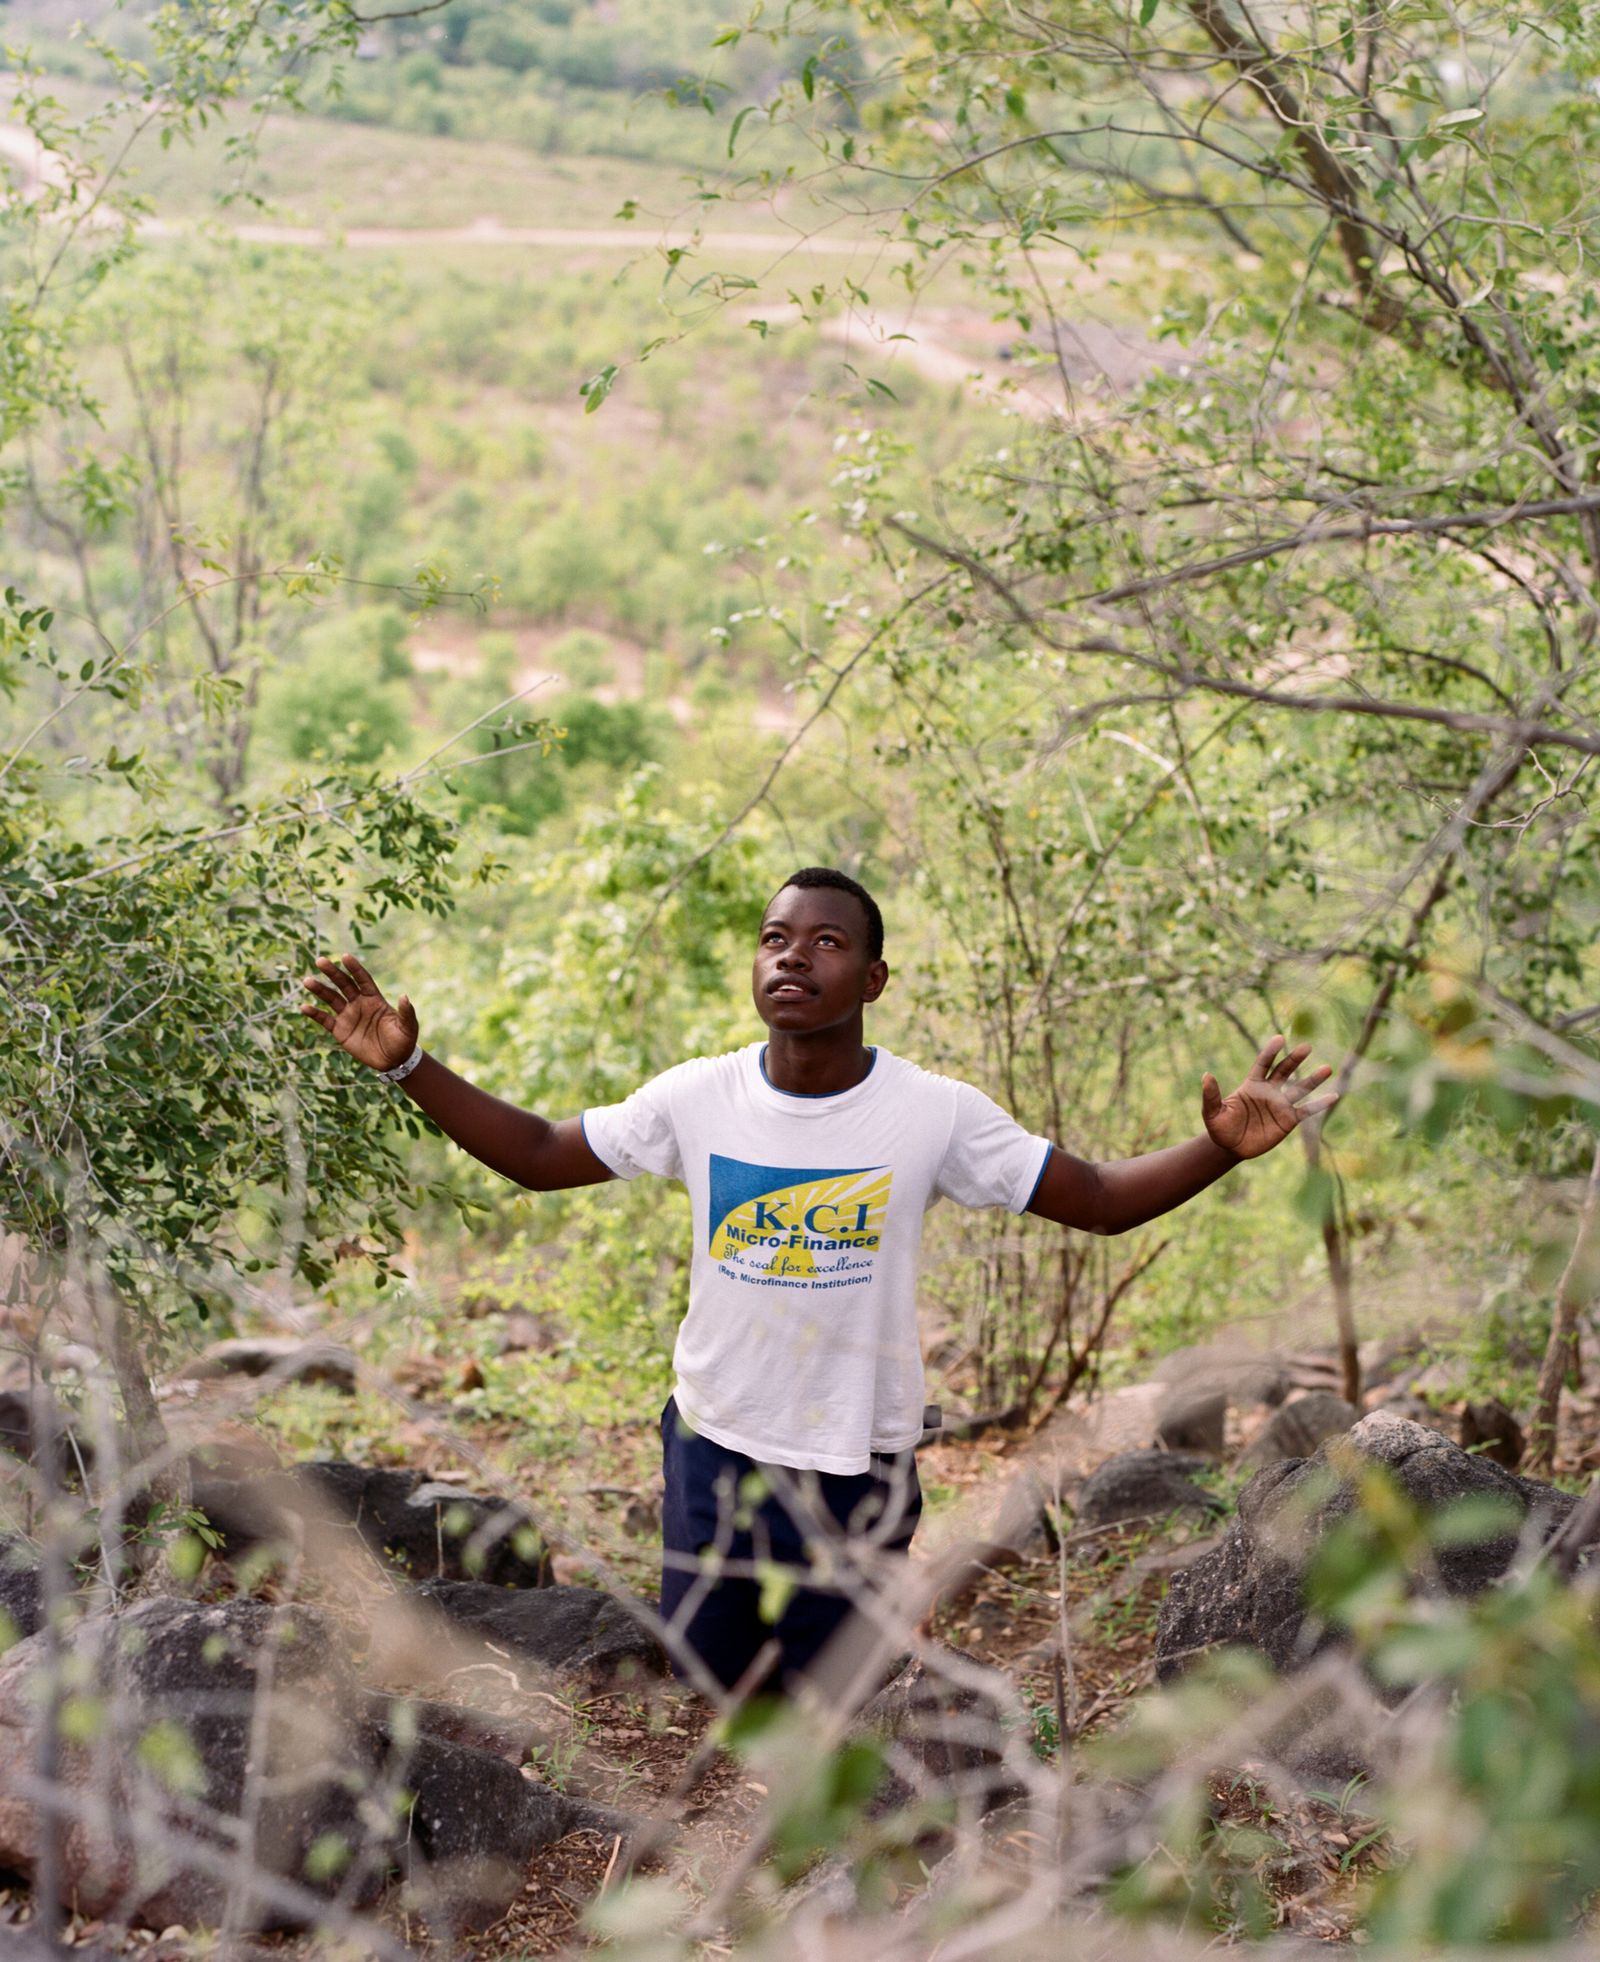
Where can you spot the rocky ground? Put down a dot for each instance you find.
(1065, 1602)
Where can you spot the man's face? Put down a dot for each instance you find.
(812, 971)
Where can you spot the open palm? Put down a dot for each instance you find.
(1268, 1105)
(376, 1032)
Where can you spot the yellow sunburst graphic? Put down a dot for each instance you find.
(791, 1260)
(813, 1215)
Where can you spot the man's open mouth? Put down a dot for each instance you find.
(798, 989)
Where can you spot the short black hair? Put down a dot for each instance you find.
(810, 877)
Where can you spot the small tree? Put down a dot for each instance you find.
(160, 1105)
(247, 355)
(1346, 523)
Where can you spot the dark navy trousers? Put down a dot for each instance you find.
(785, 1524)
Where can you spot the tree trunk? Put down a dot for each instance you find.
(1336, 1244)
(1574, 1290)
(1335, 1230)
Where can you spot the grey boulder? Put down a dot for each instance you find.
(197, 1718)
(183, 1707)
(1148, 1485)
(1249, 1590)
(1243, 1375)
(1191, 1419)
(285, 1358)
(422, 1530)
(475, 1823)
(1298, 1427)
(577, 1632)
(19, 1589)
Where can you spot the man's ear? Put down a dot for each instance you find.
(877, 980)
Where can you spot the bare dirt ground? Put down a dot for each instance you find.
(1040, 378)
(452, 647)
(494, 231)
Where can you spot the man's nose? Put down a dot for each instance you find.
(793, 957)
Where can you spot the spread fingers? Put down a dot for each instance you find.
(1302, 1088)
(365, 985)
(323, 990)
(1262, 1066)
(1290, 1061)
(336, 977)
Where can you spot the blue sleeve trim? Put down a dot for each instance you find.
(1049, 1153)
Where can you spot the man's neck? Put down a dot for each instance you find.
(818, 1065)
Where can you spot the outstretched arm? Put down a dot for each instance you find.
(538, 1154)
(1126, 1192)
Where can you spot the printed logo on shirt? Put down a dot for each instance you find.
(807, 1227)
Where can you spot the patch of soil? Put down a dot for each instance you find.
(1294, 1864)
(561, 1883)
(1088, 1668)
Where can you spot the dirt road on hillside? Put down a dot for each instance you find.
(956, 348)
(490, 231)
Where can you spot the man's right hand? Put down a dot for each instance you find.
(380, 1034)
(519, 1144)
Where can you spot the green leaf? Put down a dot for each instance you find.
(1475, 1519)
(738, 124)
(749, 1723)
(186, 1556)
(1313, 1199)
(595, 390)
(1147, 11)
(777, 1591)
(1421, 1652)
(82, 1718)
(169, 1751)
(327, 1856)
(1458, 119)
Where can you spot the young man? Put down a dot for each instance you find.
(810, 1159)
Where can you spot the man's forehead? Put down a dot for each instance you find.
(815, 906)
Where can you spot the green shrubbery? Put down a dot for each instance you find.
(573, 79)
(1478, 1823)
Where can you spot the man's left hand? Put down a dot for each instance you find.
(1267, 1106)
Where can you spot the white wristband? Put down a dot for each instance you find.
(402, 1070)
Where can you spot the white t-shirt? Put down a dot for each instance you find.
(800, 1344)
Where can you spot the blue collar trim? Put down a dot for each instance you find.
(815, 1096)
